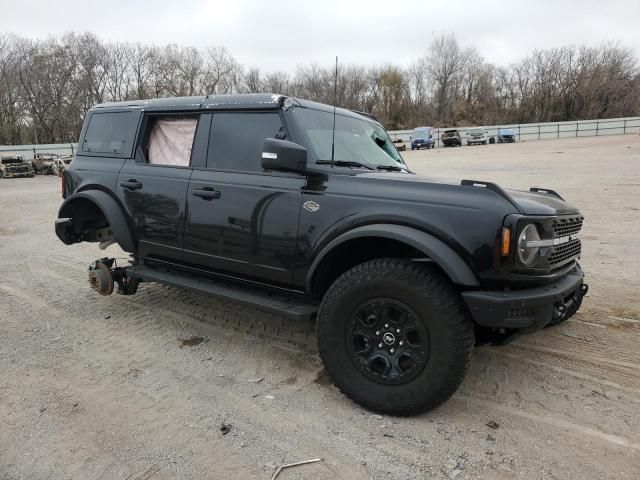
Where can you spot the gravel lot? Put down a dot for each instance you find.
(103, 387)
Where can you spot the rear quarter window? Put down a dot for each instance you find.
(110, 133)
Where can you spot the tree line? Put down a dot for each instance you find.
(46, 86)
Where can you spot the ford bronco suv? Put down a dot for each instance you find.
(309, 211)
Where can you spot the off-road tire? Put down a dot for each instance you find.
(437, 304)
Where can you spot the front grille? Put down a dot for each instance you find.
(566, 226)
(565, 252)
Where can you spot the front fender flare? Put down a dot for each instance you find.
(438, 251)
(109, 207)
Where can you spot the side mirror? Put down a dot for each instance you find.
(410, 138)
(283, 156)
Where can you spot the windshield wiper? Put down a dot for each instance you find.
(344, 163)
(392, 168)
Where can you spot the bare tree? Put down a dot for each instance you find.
(446, 63)
(47, 86)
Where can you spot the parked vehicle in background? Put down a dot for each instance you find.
(61, 164)
(451, 138)
(12, 166)
(477, 136)
(506, 135)
(399, 144)
(44, 163)
(309, 211)
(422, 137)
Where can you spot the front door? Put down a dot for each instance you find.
(243, 221)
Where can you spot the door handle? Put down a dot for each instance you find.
(207, 193)
(131, 184)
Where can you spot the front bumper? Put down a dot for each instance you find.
(529, 309)
(18, 174)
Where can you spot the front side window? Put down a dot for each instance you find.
(171, 140)
(236, 139)
(356, 140)
(110, 133)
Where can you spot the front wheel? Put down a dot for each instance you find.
(395, 336)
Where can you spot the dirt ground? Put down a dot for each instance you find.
(104, 388)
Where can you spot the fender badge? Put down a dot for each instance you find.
(311, 206)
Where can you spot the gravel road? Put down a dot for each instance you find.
(170, 384)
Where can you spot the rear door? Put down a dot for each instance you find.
(153, 184)
(243, 221)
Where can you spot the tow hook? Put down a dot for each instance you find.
(104, 272)
(584, 288)
(561, 310)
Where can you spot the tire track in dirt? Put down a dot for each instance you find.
(141, 327)
(190, 306)
(109, 338)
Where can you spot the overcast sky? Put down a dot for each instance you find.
(279, 34)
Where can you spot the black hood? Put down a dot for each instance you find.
(539, 203)
(525, 202)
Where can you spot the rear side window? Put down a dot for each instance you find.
(110, 133)
(171, 141)
(236, 139)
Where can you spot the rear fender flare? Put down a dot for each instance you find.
(112, 211)
(438, 251)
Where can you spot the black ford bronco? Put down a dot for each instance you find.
(309, 211)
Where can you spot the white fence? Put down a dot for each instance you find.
(28, 151)
(546, 131)
(524, 132)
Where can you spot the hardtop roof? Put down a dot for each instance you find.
(239, 101)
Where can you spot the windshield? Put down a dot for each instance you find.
(10, 160)
(476, 131)
(356, 140)
(420, 134)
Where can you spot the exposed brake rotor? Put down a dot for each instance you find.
(100, 278)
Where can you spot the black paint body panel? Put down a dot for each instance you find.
(256, 228)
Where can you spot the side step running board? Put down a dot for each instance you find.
(290, 307)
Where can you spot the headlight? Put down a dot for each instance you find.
(526, 253)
